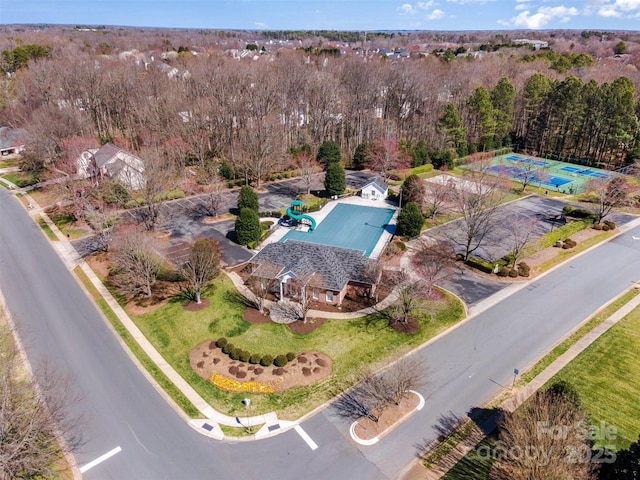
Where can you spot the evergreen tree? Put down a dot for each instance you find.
(503, 97)
(335, 180)
(248, 198)
(450, 125)
(247, 227)
(360, 156)
(420, 154)
(410, 220)
(483, 118)
(329, 152)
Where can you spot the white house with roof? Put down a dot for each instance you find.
(112, 162)
(375, 189)
(12, 140)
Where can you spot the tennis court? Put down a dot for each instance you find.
(545, 173)
(348, 226)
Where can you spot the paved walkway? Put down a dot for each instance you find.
(210, 424)
(417, 471)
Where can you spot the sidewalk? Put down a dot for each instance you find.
(418, 471)
(210, 424)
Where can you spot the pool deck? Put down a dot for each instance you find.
(280, 231)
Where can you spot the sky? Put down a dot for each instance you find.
(359, 15)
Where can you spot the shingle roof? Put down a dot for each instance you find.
(105, 153)
(331, 267)
(12, 137)
(378, 183)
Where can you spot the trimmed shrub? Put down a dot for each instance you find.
(227, 347)
(290, 356)
(513, 273)
(234, 354)
(610, 224)
(280, 361)
(597, 226)
(503, 272)
(221, 342)
(266, 360)
(245, 355)
(481, 265)
(254, 359)
(523, 269)
(605, 228)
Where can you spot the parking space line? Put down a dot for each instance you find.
(305, 437)
(100, 459)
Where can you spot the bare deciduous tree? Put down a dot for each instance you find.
(434, 261)
(554, 432)
(37, 425)
(202, 265)
(608, 193)
(436, 197)
(386, 155)
(137, 261)
(410, 291)
(158, 174)
(259, 287)
(477, 199)
(103, 221)
(308, 166)
(521, 230)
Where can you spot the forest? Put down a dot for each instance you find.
(194, 98)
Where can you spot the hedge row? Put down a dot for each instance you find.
(565, 231)
(571, 211)
(170, 195)
(480, 264)
(253, 358)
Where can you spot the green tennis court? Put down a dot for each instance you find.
(544, 173)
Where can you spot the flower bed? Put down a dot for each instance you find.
(236, 386)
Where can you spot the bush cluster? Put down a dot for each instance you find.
(481, 265)
(569, 243)
(605, 226)
(245, 356)
(523, 269)
(571, 211)
(274, 214)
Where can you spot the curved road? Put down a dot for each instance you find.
(57, 321)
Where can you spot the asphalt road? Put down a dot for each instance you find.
(58, 322)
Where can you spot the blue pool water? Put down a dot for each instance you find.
(520, 173)
(348, 226)
(581, 171)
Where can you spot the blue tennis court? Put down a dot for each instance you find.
(537, 163)
(348, 226)
(520, 173)
(581, 171)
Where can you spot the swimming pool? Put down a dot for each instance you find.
(348, 226)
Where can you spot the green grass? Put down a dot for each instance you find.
(607, 377)
(353, 345)
(47, 229)
(474, 465)
(21, 179)
(166, 384)
(561, 348)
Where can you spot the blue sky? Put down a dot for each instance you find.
(332, 14)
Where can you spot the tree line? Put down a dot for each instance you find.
(199, 109)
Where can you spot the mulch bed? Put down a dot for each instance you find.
(306, 369)
(192, 306)
(366, 429)
(252, 315)
(302, 328)
(411, 327)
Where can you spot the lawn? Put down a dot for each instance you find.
(353, 345)
(21, 179)
(607, 377)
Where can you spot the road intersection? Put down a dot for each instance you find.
(128, 419)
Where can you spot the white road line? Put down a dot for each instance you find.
(101, 459)
(305, 437)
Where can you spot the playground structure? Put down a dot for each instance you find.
(295, 213)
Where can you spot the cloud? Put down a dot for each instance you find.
(435, 15)
(522, 6)
(462, 2)
(408, 9)
(425, 5)
(620, 9)
(542, 17)
(260, 24)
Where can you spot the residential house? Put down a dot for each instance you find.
(112, 162)
(375, 189)
(12, 140)
(293, 269)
